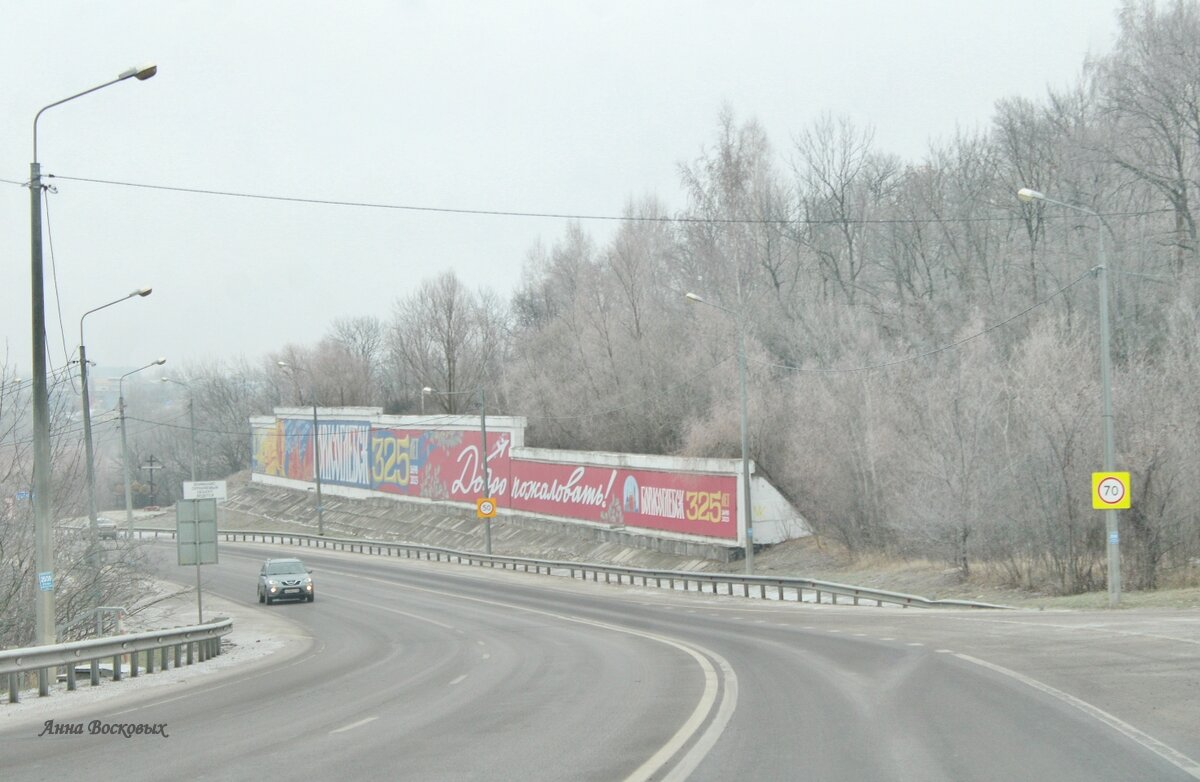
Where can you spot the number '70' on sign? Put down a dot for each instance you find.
(1110, 490)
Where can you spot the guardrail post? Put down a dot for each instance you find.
(855, 598)
(818, 596)
(93, 672)
(189, 652)
(133, 665)
(14, 695)
(43, 682)
(116, 667)
(149, 661)
(177, 655)
(164, 659)
(71, 678)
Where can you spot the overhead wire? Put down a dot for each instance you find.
(54, 278)
(552, 215)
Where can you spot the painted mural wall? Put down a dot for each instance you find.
(379, 454)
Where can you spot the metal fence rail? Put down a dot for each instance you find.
(782, 588)
(186, 644)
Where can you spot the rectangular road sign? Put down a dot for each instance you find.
(204, 490)
(196, 531)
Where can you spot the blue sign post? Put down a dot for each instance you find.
(46, 581)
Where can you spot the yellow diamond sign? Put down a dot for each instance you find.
(1110, 490)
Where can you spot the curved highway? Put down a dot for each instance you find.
(417, 670)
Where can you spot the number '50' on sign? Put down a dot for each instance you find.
(1110, 490)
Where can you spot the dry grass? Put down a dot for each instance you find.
(812, 558)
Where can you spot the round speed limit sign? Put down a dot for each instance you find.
(1110, 490)
(485, 507)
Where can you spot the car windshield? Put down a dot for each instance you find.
(283, 568)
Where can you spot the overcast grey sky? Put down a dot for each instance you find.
(565, 107)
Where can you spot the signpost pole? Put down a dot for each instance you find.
(487, 491)
(196, 536)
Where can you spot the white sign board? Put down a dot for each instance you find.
(204, 490)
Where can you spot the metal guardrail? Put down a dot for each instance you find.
(785, 588)
(196, 643)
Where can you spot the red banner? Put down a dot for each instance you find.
(694, 504)
(437, 464)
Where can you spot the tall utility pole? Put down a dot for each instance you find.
(89, 451)
(487, 489)
(125, 443)
(1111, 521)
(316, 443)
(44, 609)
(747, 505)
(191, 419)
(317, 468)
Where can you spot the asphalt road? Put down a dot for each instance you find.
(415, 670)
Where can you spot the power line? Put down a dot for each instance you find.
(558, 215)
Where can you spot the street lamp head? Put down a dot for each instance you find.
(159, 362)
(426, 390)
(693, 297)
(142, 292)
(1027, 195)
(282, 364)
(140, 72)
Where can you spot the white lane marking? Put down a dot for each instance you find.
(887, 638)
(457, 679)
(716, 727)
(944, 651)
(486, 656)
(915, 643)
(688, 763)
(1172, 756)
(353, 725)
(860, 635)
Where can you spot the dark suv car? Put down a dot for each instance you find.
(285, 579)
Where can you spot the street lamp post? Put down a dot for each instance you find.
(483, 453)
(747, 506)
(424, 391)
(191, 419)
(42, 499)
(125, 443)
(316, 447)
(1110, 516)
(87, 414)
(192, 429)
(483, 456)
